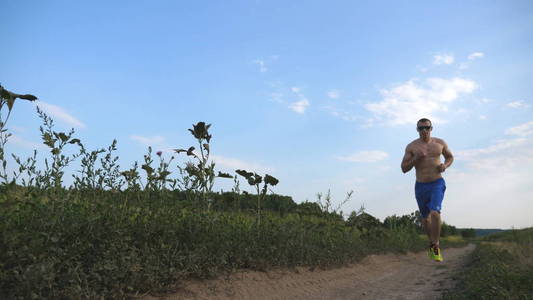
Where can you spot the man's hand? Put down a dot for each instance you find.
(441, 168)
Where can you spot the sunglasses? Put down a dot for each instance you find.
(420, 128)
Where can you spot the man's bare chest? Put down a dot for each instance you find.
(432, 149)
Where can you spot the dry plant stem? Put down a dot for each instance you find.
(7, 98)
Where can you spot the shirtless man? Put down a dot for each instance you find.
(424, 154)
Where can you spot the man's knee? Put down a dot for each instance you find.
(434, 213)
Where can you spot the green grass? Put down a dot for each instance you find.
(114, 247)
(117, 244)
(501, 267)
(451, 241)
(520, 236)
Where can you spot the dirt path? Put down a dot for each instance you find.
(411, 276)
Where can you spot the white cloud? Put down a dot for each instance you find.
(232, 164)
(149, 141)
(501, 162)
(342, 114)
(275, 84)
(276, 97)
(354, 181)
(498, 185)
(482, 117)
(496, 178)
(17, 129)
(333, 94)
(448, 90)
(262, 66)
(521, 130)
(21, 142)
(475, 55)
(471, 57)
(408, 102)
(517, 104)
(464, 66)
(262, 63)
(422, 69)
(500, 145)
(299, 106)
(59, 113)
(366, 156)
(441, 59)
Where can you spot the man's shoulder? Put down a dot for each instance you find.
(439, 140)
(413, 142)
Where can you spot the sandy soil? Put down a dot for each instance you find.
(411, 276)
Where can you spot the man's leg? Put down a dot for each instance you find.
(426, 226)
(434, 225)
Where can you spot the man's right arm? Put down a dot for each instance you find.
(408, 160)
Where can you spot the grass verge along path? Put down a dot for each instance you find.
(500, 268)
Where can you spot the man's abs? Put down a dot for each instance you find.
(427, 170)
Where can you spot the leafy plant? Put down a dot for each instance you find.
(132, 178)
(7, 99)
(326, 204)
(110, 175)
(89, 173)
(56, 141)
(255, 179)
(151, 176)
(362, 221)
(201, 175)
(27, 167)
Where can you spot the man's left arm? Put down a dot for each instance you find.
(448, 157)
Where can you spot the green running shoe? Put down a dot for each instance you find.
(435, 254)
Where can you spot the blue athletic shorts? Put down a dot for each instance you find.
(429, 195)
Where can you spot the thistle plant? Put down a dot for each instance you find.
(186, 182)
(132, 177)
(202, 173)
(162, 171)
(236, 190)
(255, 179)
(155, 178)
(7, 98)
(147, 167)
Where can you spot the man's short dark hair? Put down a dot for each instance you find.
(425, 120)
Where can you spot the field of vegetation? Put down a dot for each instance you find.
(501, 267)
(117, 233)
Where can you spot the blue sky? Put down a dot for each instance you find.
(322, 95)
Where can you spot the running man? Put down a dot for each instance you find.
(424, 154)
